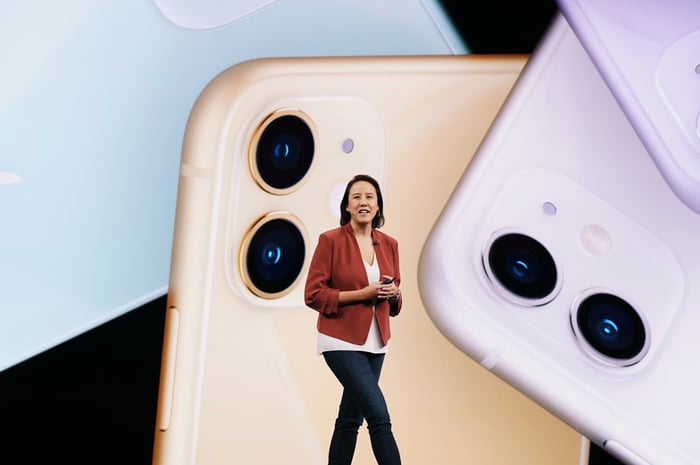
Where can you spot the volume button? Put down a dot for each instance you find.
(167, 371)
(623, 453)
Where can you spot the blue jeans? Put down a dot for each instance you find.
(358, 372)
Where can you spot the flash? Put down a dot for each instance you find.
(348, 145)
(596, 239)
(334, 198)
(8, 177)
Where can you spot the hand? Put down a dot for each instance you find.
(387, 289)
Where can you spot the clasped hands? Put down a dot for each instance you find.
(385, 289)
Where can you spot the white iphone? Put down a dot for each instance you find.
(565, 264)
(93, 105)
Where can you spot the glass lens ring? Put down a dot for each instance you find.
(611, 327)
(272, 256)
(283, 152)
(523, 267)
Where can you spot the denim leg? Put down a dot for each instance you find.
(347, 424)
(359, 372)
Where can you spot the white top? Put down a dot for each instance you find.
(374, 342)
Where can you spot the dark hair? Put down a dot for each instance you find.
(378, 220)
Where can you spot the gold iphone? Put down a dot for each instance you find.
(241, 382)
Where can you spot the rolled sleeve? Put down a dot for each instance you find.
(318, 293)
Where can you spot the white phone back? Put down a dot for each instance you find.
(648, 54)
(562, 164)
(241, 382)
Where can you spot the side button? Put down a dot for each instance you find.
(623, 453)
(167, 371)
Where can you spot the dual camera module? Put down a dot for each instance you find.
(273, 251)
(523, 271)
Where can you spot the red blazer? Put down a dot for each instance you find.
(337, 266)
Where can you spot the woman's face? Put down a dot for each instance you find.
(362, 203)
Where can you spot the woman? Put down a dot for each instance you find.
(353, 283)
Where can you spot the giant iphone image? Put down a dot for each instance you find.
(268, 149)
(93, 103)
(565, 264)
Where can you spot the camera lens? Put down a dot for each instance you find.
(284, 152)
(612, 327)
(274, 256)
(523, 267)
